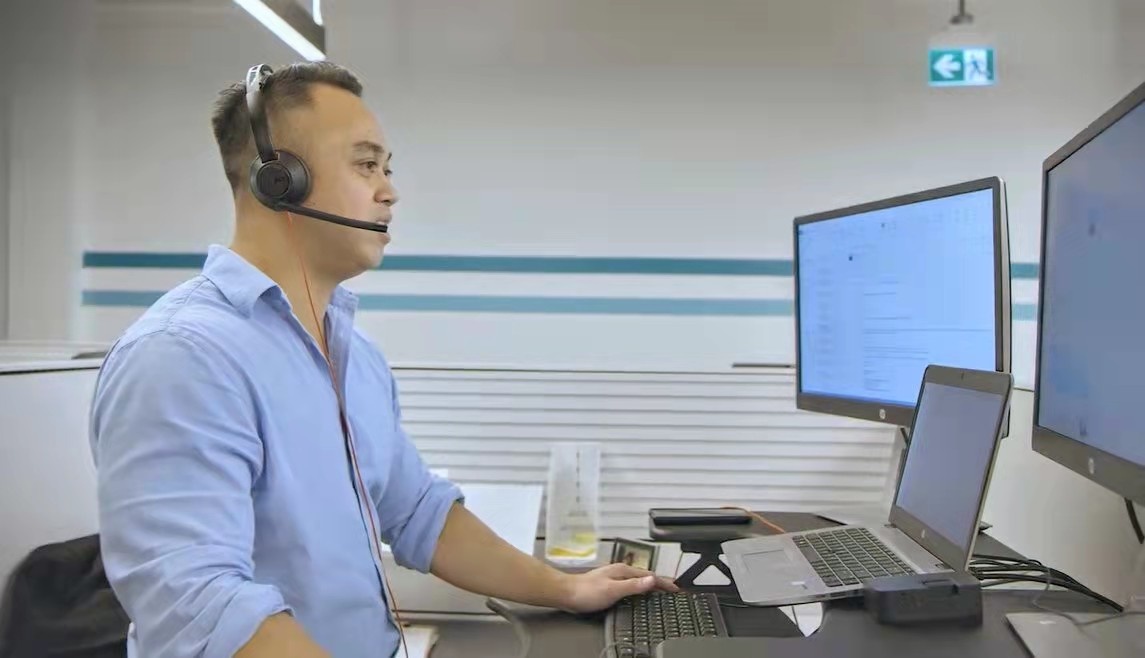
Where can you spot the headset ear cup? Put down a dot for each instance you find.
(285, 180)
(299, 175)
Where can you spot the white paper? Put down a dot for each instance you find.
(419, 641)
(510, 510)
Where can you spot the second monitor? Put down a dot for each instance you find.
(884, 289)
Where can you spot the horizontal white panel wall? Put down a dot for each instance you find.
(667, 438)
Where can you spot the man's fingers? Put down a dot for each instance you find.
(620, 570)
(633, 586)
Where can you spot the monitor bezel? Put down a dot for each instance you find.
(901, 414)
(1119, 475)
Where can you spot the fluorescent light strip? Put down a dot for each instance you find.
(276, 24)
(316, 11)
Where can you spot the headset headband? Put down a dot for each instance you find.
(255, 79)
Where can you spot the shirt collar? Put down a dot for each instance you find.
(239, 281)
(244, 284)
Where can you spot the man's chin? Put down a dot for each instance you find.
(371, 257)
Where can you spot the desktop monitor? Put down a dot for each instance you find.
(885, 289)
(1090, 378)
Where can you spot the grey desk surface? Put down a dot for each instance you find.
(846, 628)
(847, 631)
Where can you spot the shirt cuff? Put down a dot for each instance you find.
(434, 508)
(242, 617)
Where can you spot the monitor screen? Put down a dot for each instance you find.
(1091, 375)
(952, 444)
(885, 293)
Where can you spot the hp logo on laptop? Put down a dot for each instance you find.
(882, 414)
(924, 533)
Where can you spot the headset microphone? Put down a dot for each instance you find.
(279, 179)
(335, 219)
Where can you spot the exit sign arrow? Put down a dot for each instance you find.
(947, 67)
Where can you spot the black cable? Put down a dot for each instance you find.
(1001, 579)
(994, 581)
(980, 572)
(984, 560)
(1135, 521)
(1003, 558)
(1045, 575)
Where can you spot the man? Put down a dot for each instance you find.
(239, 515)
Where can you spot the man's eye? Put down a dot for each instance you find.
(389, 172)
(371, 165)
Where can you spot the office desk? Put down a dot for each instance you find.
(846, 629)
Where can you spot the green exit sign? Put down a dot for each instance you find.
(963, 67)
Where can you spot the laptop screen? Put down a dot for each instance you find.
(952, 448)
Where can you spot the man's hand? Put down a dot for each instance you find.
(471, 557)
(602, 588)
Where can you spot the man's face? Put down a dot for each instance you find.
(342, 144)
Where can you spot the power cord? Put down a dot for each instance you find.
(1135, 521)
(756, 516)
(523, 636)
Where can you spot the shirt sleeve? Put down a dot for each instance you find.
(414, 503)
(175, 441)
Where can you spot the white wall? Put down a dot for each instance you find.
(47, 479)
(6, 23)
(1131, 18)
(549, 127)
(51, 164)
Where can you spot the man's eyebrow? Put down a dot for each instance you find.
(373, 147)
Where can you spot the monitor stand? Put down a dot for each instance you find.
(875, 513)
(1049, 635)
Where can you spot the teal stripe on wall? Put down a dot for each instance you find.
(512, 264)
(1023, 270)
(512, 304)
(525, 304)
(1025, 312)
(506, 264)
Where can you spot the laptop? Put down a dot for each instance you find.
(933, 522)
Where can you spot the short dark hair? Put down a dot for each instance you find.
(286, 88)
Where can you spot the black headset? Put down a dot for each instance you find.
(276, 177)
(280, 179)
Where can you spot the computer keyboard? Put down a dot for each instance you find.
(849, 556)
(638, 623)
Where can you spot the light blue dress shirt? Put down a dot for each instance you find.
(225, 491)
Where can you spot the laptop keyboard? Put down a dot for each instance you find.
(849, 556)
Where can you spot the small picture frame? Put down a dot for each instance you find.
(635, 553)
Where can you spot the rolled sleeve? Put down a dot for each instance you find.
(241, 617)
(176, 446)
(414, 503)
(417, 541)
